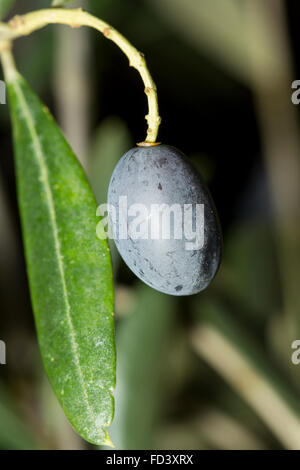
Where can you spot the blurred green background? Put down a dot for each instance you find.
(212, 371)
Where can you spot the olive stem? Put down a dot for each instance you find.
(8, 62)
(26, 24)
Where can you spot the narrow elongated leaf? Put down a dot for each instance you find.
(69, 268)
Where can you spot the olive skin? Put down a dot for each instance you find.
(163, 175)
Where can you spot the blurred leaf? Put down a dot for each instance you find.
(60, 3)
(218, 30)
(178, 436)
(240, 361)
(111, 141)
(69, 268)
(280, 136)
(222, 431)
(39, 70)
(215, 27)
(5, 6)
(72, 58)
(280, 342)
(142, 345)
(14, 434)
(250, 273)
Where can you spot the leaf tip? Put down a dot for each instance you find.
(107, 442)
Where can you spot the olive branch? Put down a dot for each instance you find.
(26, 24)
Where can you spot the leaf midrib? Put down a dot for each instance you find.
(38, 152)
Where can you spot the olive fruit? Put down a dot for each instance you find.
(163, 220)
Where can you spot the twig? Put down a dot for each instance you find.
(24, 25)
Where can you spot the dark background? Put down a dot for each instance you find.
(228, 112)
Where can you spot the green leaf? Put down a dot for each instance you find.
(69, 269)
(5, 6)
